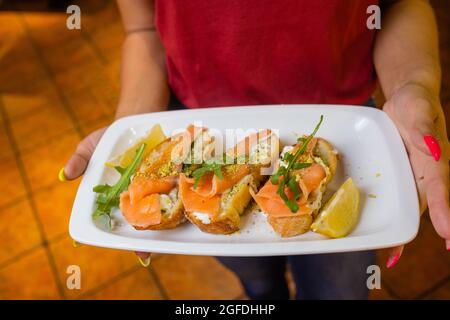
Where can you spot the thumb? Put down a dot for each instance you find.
(424, 139)
(77, 164)
(423, 133)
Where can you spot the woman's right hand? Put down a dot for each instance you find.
(77, 164)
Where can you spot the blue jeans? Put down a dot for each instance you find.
(320, 276)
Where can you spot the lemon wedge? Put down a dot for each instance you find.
(154, 137)
(340, 214)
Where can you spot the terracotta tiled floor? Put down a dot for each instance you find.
(57, 85)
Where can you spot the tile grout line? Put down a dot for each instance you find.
(389, 290)
(62, 135)
(107, 111)
(30, 250)
(64, 101)
(110, 281)
(435, 287)
(158, 283)
(29, 194)
(38, 145)
(88, 38)
(114, 279)
(13, 202)
(20, 255)
(29, 113)
(59, 237)
(70, 112)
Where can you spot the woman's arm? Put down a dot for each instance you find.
(144, 85)
(407, 63)
(406, 47)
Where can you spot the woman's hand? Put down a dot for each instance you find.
(419, 117)
(77, 164)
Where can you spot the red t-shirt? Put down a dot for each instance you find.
(245, 52)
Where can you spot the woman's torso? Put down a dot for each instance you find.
(244, 52)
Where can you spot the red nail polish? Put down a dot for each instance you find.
(433, 146)
(392, 261)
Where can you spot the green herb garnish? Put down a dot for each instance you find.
(215, 166)
(108, 197)
(281, 177)
(211, 166)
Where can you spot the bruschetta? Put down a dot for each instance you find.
(152, 200)
(292, 214)
(215, 201)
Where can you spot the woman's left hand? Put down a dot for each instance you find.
(418, 115)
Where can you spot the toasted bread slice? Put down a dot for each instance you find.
(290, 226)
(287, 226)
(234, 200)
(232, 205)
(158, 176)
(325, 151)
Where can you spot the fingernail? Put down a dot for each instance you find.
(145, 262)
(75, 244)
(392, 261)
(447, 244)
(433, 146)
(61, 176)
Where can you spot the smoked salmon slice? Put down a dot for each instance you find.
(140, 205)
(271, 203)
(193, 202)
(245, 146)
(140, 187)
(210, 185)
(309, 179)
(158, 174)
(205, 197)
(146, 212)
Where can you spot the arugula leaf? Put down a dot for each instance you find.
(215, 165)
(207, 167)
(120, 169)
(301, 165)
(293, 185)
(280, 172)
(281, 177)
(101, 188)
(288, 157)
(108, 197)
(301, 139)
(292, 205)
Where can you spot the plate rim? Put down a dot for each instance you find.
(91, 235)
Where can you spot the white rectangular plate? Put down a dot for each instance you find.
(371, 152)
